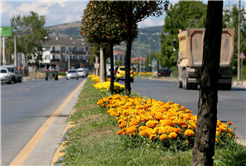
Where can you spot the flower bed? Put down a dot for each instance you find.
(105, 86)
(156, 123)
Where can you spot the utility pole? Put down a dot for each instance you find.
(238, 59)
(15, 51)
(4, 61)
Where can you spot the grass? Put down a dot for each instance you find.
(94, 140)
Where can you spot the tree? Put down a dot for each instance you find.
(203, 150)
(100, 25)
(130, 13)
(118, 63)
(183, 15)
(31, 32)
(230, 20)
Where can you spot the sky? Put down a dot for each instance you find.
(66, 11)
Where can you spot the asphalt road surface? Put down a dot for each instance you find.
(24, 109)
(231, 104)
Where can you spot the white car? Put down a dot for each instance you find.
(13, 72)
(72, 74)
(5, 76)
(82, 72)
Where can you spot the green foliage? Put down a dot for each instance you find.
(118, 63)
(230, 20)
(31, 33)
(62, 74)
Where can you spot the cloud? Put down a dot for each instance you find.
(6, 7)
(161, 23)
(147, 23)
(61, 11)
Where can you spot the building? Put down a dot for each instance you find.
(120, 56)
(135, 61)
(58, 50)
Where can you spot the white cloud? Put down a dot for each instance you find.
(61, 11)
(6, 7)
(147, 23)
(161, 23)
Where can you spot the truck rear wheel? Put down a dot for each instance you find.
(186, 85)
(180, 84)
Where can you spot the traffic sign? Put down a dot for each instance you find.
(6, 31)
(96, 65)
(242, 55)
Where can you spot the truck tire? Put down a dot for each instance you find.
(132, 80)
(186, 85)
(117, 80)
(179, 84)
(15, 81)
(194, 86)
(228, 86)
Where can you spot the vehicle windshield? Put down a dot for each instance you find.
(122, 68)
(79, 70)
(72, 71)
(3, 71)
(11, 69)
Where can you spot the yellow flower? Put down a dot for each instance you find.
(189, 133)
(172, 135)
(216, 140)
(163, 137)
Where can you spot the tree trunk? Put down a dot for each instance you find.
(128, 51)
(112, 69)
(203, 149)
(104, 54)
(102, 76)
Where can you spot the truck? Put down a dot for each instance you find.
(190, 57)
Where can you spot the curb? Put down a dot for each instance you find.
(58, 156)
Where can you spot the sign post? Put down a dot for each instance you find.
(5, 32)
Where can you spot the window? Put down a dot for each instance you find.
(81, 49)
(63, 49)
(53, 57)
(11, 70)
(3, 71)
(47, 48)
(86, 49)
(53, 48)
(47, 57)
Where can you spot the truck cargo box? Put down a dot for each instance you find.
(191, 47)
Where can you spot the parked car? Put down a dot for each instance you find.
(120, 75)
(5, 75)
(109, 71)
(13, 71)
(82, 72)
(72, 74)
(19, 76)
(164, 72)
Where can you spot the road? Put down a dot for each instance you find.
(231, 104)
(25, 108)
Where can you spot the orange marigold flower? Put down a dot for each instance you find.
(151, 124)
(172, 135)
(216, 140)
(153, 136)
(119, 132)
(163, 137)
(186, 140)
(189, 133)
(229, 123)
(142, 133)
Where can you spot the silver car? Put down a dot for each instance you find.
(72, 74)
(5, 76)
(82, 72)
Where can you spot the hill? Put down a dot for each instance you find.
(141, 46)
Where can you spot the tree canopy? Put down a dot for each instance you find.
(30, 33)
